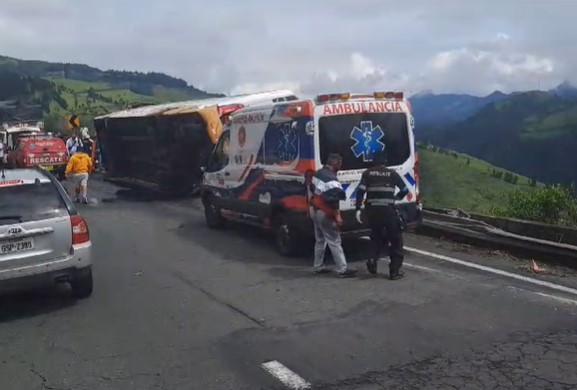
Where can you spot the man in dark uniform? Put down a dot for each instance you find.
(379, 183)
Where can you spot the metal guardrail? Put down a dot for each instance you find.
(460, 227)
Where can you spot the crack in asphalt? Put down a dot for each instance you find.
(44, 381)
(536, 362)
(220, 301)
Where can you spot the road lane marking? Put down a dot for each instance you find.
(495, 271)
(421, 267)
(289, 378)
(555, 297)
(544, 295)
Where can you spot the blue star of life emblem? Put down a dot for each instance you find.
(367, 140)
(287, 143)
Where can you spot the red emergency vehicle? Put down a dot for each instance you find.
(41, 149)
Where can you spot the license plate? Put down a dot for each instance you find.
(24, 244)
(48, 167)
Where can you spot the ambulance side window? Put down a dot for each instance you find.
(220, 156)
(281, 143)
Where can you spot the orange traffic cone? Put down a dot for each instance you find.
(535, 268)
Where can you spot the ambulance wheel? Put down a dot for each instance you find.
(287, 237)
(214, 219)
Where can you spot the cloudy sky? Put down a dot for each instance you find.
(310, 46)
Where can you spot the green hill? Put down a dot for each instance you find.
(54, 90)
(454, 180)
(533, 133)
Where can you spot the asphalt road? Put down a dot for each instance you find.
(178, 306)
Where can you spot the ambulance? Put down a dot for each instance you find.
(258, 170)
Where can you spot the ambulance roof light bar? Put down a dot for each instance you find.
(333, 96)
(389, 95)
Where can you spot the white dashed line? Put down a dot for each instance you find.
(421, 267)
(289, 378)
(555, 297)
(543, 295)
(495, 271)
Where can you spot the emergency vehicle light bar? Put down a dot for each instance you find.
(333, 96)
(389, 95)
(298, 110)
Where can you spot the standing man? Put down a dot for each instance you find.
(327, 192)
(78, 169)
(379, 183)
(73, 145)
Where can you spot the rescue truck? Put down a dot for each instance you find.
(42, 150)
(257, 171)
(162, 147)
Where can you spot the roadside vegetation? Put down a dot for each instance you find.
(555, 205)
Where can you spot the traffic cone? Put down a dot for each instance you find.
(535, 268)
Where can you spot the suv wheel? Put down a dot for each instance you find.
(212, 216)
(287, 237)
(82, 284)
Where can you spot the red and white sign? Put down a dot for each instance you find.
(362, 107)
(45, 159)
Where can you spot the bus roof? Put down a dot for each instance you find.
(160, 109)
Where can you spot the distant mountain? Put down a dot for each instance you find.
(565, 89)
(137, 82)
(436, 112)
(430, 108)
(533, 133)
(29, 89)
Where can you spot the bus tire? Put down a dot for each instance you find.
(212, 216)
(287, 237)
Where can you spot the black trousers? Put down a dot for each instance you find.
(386, 229)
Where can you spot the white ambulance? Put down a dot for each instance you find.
(256, 173)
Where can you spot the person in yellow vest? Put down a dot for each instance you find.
(78, 170)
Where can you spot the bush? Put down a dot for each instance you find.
(553, 204)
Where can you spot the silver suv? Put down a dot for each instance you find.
(43, 238)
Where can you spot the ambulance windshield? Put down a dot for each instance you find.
(356, 137)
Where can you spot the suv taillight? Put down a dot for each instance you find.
(80, 233)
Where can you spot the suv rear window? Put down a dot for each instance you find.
(30, 202)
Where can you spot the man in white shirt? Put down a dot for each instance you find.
(73, 145)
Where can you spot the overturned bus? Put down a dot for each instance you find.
(163, 147)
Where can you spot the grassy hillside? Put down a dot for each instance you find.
(61, 89)
(454, 180)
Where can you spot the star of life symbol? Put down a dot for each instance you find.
(287, 143)
(367, 140)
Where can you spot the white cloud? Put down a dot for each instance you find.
(232, 46)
